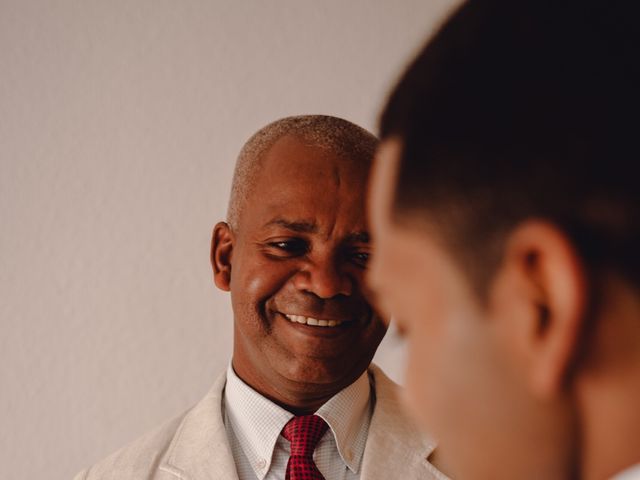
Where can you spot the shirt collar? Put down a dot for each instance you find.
(257, 422)
(632, 473)
(348, 414)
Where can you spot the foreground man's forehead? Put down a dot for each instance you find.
(382, 182)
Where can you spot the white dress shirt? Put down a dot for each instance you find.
(254, 425)
(632, 473)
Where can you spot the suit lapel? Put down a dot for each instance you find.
(395, 448)
(200, 449)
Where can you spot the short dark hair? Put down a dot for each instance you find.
(524, 109)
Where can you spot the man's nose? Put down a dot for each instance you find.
(324, 279)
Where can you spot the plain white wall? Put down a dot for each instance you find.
(119, 124)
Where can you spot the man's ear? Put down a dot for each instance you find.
(221, 252)
(545, 277)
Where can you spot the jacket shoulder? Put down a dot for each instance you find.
(139, 459)
(146, 457)
(396, 448)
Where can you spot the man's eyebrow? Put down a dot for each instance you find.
(301, 226)
(294, 226)
(359, 237)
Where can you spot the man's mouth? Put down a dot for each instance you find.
(314, 322)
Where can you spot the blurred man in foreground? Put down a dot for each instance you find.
(506, 216)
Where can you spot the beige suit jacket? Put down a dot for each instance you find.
(194, 446)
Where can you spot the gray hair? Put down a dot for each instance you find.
(334, 134)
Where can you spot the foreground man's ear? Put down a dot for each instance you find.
(221, 250)
(547, 278)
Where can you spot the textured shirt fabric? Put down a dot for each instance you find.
(254, 425)
(632, 473)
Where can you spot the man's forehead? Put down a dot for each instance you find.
(296, 157)
(306, 189)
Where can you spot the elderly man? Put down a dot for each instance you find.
(299, 400)
(506, 215)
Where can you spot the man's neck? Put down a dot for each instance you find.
(610, 442)
(609, 389)
(299, 399)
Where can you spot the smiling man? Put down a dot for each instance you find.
(506, 216)
(299, 400)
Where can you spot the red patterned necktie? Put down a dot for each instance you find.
(304, 433)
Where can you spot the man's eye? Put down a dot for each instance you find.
(361, 258)
(293, 247)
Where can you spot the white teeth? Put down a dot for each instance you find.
(313, 321)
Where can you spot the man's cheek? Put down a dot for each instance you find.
(373, 300)
(254, 285)
(262, 281)
(421, 383)
(420, 401)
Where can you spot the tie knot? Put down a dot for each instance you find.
(304, 433)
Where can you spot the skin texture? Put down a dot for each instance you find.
(490, 379)
(301, 247)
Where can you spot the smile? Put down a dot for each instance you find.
(315, 322)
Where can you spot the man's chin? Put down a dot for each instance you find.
(319, 373)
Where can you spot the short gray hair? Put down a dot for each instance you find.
(335, 134)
